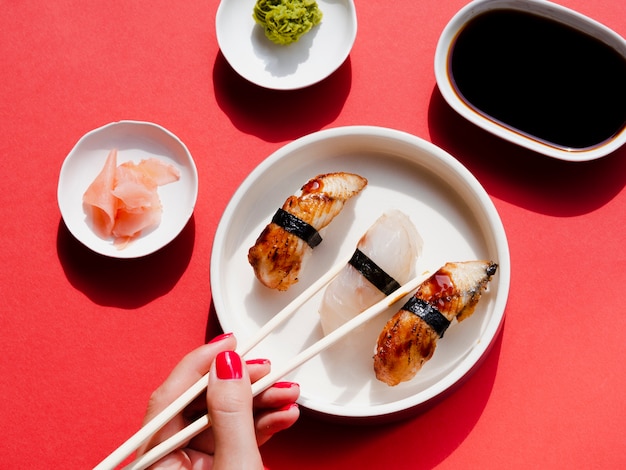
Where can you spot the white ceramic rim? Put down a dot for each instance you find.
(314, 57)
(539, 7)
(148, 140)
(444, 163)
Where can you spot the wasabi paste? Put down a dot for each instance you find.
(285, 21)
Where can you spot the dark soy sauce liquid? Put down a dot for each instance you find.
(540, 78)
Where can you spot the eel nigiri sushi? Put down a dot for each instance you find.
(410, 337)
(279, 252)
(384, 259)
(123, 200)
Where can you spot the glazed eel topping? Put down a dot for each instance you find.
(410, 337)
(278, 253)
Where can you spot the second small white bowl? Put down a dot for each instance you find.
(134, 140)
(539, 9)
(317, 54)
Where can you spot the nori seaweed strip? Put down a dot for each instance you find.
(373, 273)
(427, 312)
(297, 227)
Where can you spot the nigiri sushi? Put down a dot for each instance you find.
(281, 248)
(123, 200)
(410, 337)
(390, 247)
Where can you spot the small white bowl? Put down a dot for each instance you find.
(538, 8)
(134, 140)
(311, 59)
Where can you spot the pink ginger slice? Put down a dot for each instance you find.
(100, 199)
(129, 195)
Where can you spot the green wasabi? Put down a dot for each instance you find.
(286, 21)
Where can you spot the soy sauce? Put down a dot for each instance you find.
(540, 78)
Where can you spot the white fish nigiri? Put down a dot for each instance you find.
(393, 244)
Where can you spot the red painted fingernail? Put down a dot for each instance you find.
(285, 385)
(228, 365)
(288, 407)
(257, 361)
(220, 338)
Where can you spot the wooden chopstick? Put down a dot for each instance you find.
(292, 307)
(122, 452)
(175, 441)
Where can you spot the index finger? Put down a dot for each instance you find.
(187, 372)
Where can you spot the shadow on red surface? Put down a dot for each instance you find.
(213, 327)
(279, 115)
(125, 283)
(522, 177)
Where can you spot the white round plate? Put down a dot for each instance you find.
(312, 58)
(134, 140)
(455, 217)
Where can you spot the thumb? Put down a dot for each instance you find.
(229, 404)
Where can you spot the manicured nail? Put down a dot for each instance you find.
(228, 365)
(285, 385)
(221, 337)
(257, 361)
(288, 407)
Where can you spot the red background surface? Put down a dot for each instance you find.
(85, 339)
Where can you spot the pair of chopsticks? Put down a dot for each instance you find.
(175, 441)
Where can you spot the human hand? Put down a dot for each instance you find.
(240, 423)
